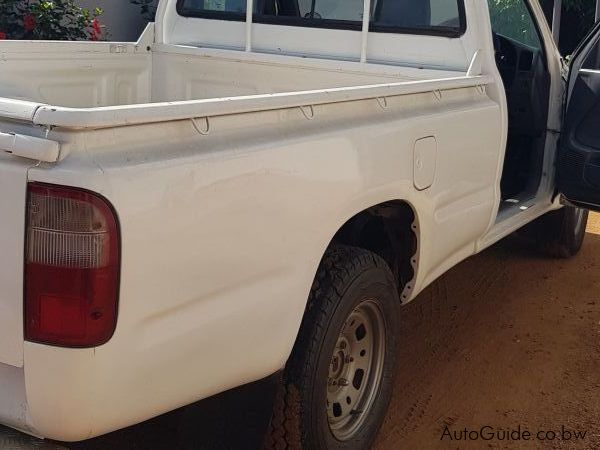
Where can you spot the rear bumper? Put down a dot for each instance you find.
(238, 418)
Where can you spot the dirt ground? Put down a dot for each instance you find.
(506, 341)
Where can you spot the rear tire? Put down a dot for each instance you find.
(560, 233)
(338, 382)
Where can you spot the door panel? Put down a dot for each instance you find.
(578, 166)
(585, 109)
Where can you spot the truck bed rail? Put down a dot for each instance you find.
(112, 116)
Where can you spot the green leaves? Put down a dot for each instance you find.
(9, 23)
(49, 20)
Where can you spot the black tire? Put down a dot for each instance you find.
(560, 233)
(348, 279)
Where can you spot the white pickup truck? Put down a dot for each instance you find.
(256, 187)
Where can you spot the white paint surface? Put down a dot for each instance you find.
(230, 172)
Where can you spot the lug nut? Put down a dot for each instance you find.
(344, 382)
(349, 359)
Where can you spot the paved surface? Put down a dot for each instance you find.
(507, 340)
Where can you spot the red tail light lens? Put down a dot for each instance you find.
(71, 267)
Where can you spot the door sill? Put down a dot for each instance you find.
(513, 216)
(513, 206)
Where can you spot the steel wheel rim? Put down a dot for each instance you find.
(355, 370)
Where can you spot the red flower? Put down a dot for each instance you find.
(2, 35)
(29, 22)
(96, 30)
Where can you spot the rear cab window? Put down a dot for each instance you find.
(435, 17)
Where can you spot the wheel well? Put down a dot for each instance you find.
(389, 230)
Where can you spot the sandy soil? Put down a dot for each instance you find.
(506, 339)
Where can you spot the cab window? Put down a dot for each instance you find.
(445, 17)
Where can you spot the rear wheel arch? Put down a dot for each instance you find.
(387, 231)
(390, 230)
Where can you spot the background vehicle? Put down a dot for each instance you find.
(171, 205)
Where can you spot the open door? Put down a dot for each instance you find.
(578, 163)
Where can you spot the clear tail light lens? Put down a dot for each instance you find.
(72, 267)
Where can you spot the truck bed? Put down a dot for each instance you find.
(80, 85)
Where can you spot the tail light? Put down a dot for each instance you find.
(71, 267)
